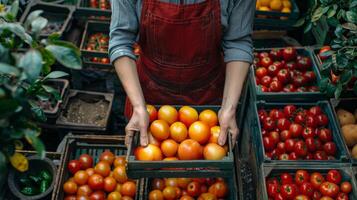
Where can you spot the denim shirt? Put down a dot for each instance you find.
(236, 19)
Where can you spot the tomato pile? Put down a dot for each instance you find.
(295, 133)
(98, 42)
(107, 180)
(182, 135)
(308, 186)
(284, 71)
(101, 4)
(188, 189)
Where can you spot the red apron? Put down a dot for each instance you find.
(181, 61)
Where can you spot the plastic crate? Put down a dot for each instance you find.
(349, 104)
(92, 145)
(257, 94)
(341, 153)
(180, 168)
(53, 13)
(63, 84)
(273, 20)
(268, 170)
(84, 9)
(93, 27)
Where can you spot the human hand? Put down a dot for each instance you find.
(139, 122)
(228, 124)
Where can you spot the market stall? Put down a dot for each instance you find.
(63, 108)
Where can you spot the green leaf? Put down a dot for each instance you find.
(308, 27)
(31, 62)
(353, 3)
(48, 60)
(14, 8)
(331, 13)
(43, 97)
(67, 44)
(330, 90)
(8, 69)
(341, 61)
(346, 76)
(351, 16)
(56, 74)
(299, 22)
(66, 56)
(327, 53)
(31, 136)
(323, 84)
(350, 26)
(37, 111)
(52, 91)
(317, 14)
(8, 107)
(339, 31)
(18, 30)
(54, 37)
(332, 21)
(38, 24)
(338, 91)
(341, 13)
(32, 16)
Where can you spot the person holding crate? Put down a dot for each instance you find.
(193, 52)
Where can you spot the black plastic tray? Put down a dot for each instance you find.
(64, 85)
(83, 9)
(93, 27)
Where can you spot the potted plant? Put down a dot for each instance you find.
(340, 18)
(23, 79)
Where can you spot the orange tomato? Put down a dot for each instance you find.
(82, 197)
(158, 184)
(213, 151)
(186, 197)
(183, 182)
(209, 117)
(97, 195)
(114, 196)
(169, 147)
(96, 182)
(168, 114)
(102, 168)
(148, 153)
(81, 177)
(178, 131)
(153, 140)
(119, 174)
(90, 171)
(70, 187)
(128, 189)
(169, 193)
(152, 112)
(188, 115)
(207, 196)
(219, 189)
(171, 182)
(107, 156)
(118, 187)
(189, 150)
(214, 134)
(160, 129)
(170, 159)
(109, 184)
(178, 192)
(119, 160)
(156, 195)
(84, 190)
(126, 198)
(70, 197)
(200, 132)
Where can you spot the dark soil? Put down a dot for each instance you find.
(82, 112)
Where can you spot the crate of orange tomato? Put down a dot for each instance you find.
(276, 14)
(182, 143)
(93, 166)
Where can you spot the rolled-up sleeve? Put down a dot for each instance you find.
(123, 29)
(237, 42)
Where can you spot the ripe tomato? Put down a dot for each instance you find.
(160, 129)
(276, 86)
(283, 124)
(70, 197)
(308, 132)
(219, 189)
(209, 117)
(320, 155)
(293, 156)
(186, 197)
(286, 178)
(114, 196)
(289, 145)
(128, 189)
(214, 134)
(334, 176)
(171, 182)
(346, 187)
(188, 115)
(342, 196)
(178, 131)
(82, 197)
(261, 72)
(189, 150)
(274, 135)
(280, 148)
(330, 148)
(207, 196)
(168, 114)
(213, 151)
(119, 174)
(74, 166)
(269, 124)
(284, 135)
(109, 184)
(314, 111)
(156, 195)
(322, 120)
(158, 184)
(148, 153)
(326, 198)
(300, 149)
(301, 176)
(194, 189)
(169, 147)
(81, 177)
(169, 193)
(70, 187)
(325, 135)
(200, 132)
(265, 81)
(311, 121)
(310, 144)
(84, 190)
(102, 168)
(273, 189)
(300, 119)
(316, 195)
(289, 110)
(288, 191)
(86, 161)
(329, 189)
(307, 189)
(119, 161)
(126, 198)
(153, 140)
(96, 182)
(296, 130)
(97, 195)
(301, 197)
(152, 112)
(107, 156)
(268, 143)
(90, 171)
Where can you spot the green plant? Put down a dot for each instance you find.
(25, 66)
(341, 17)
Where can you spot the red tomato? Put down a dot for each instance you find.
(275, 136)
(289, 145)
(283, 124)
(269, 124)
(74, 166)
(289, 53)
(219, 189)
(86, 161)
(193, 189)
(293, 156)
(266, 62)
(320, 155)
(276, 86)
(311, 121)
(97, 195)
(289, 110)
(310, 144)
(300, 149)
(288, 191)
(262, 114)
(295, 129)
(265, 81)
(284, 135)
(279, 196)
(96, 182)
(286, 178)
(330, 148)
(322, 120)
(325, 135)
(301, 197)
(334, 176)
(307, 189)
(346, 187)
(342, 196)
(316, 195)
(308, 132)
(276, 114)
(329, 189)
(284, 75)
(280, 148)
(300, 118)
(268, 143)
(301, 176)
(261, 72)
(102, 168)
